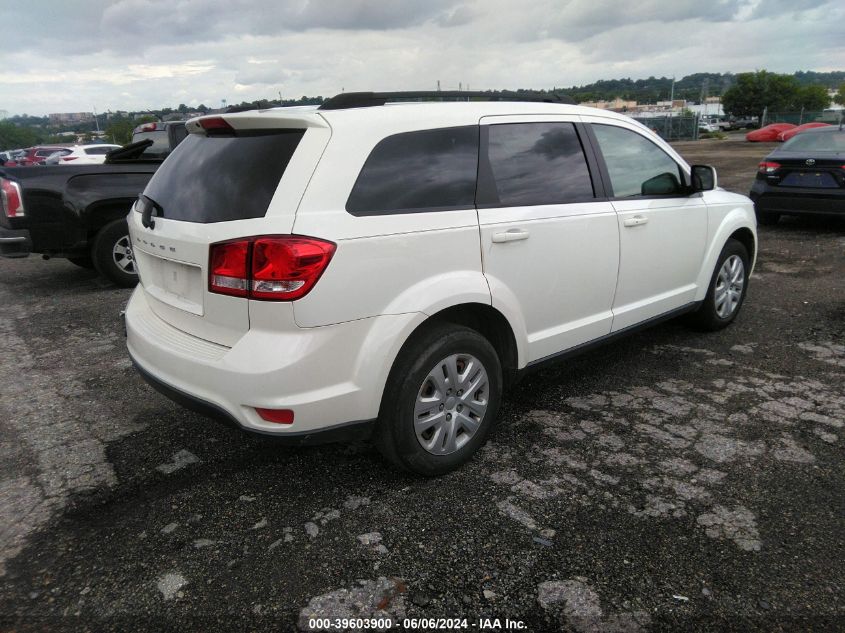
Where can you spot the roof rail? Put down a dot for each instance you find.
(372, 99)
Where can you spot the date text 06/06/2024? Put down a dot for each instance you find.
(416, 624)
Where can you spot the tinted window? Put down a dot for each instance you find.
(160, 146)
(816, 142)
(221, 178)
(637, 167)
(538, 163)
(418, 171)
(99, 151)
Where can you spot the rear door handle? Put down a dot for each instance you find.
(514, 235)
(636, 220)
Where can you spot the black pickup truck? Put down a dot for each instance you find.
(79, 212)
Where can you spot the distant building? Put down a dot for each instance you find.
(69, 118)
(617, 105)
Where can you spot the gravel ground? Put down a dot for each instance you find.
(672, 481)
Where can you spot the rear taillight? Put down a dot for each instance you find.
(67, 159)
(767, 167)
(228, 270)
(11, 198)
(269, 268)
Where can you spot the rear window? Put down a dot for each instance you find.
(816, 142)
(160, 146)
(428, 170)
(222, 178)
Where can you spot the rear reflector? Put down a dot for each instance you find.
(268, 268)
(11, 198)
(278, 416)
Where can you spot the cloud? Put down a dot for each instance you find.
(134, 54)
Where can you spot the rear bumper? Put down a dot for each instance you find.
(15, 242)
(798, 202)
(346, 432)
(332, 377)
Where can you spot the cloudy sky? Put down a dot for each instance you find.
(75, 55)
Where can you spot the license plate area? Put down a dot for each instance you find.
(810, 180)
(175, 283)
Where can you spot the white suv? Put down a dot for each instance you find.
(387, 269)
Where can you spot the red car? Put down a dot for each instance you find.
(769, 133)
(788, 134)
(38, 154)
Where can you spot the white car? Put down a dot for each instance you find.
(82, 155)
(389, 269)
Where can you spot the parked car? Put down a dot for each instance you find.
(788, 134)
(78, 211)
(11, 156)
(385, 270)
(38, 154)
(806, 175)
(769, 133)
(742, 123)
(82, 155)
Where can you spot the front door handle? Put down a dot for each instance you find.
(514, 235)
(637, 220)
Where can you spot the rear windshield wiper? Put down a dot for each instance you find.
(146, 206)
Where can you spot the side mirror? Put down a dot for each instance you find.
(703, 178)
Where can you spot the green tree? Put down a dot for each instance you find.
(839, 97)
(753, 92)
(813, 98)
(120, 131)
(15, 137)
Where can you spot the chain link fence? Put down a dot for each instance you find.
(798, 118)
(672, 128)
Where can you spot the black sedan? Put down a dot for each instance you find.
(806, 175)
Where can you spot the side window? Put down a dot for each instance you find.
(537, 163)
(637, 167)
(429, 170)
(98, 151)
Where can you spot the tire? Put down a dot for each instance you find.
(112, 254)
(83, 261)
(767, 218)
(460, 355)
(714, 314)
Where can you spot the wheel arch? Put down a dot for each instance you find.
(739, 224)
(100, 214)
(484, 319)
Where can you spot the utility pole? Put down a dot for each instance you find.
(672, 92)
(438, 85)
(96, 122)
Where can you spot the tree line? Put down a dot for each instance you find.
(743, 94)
